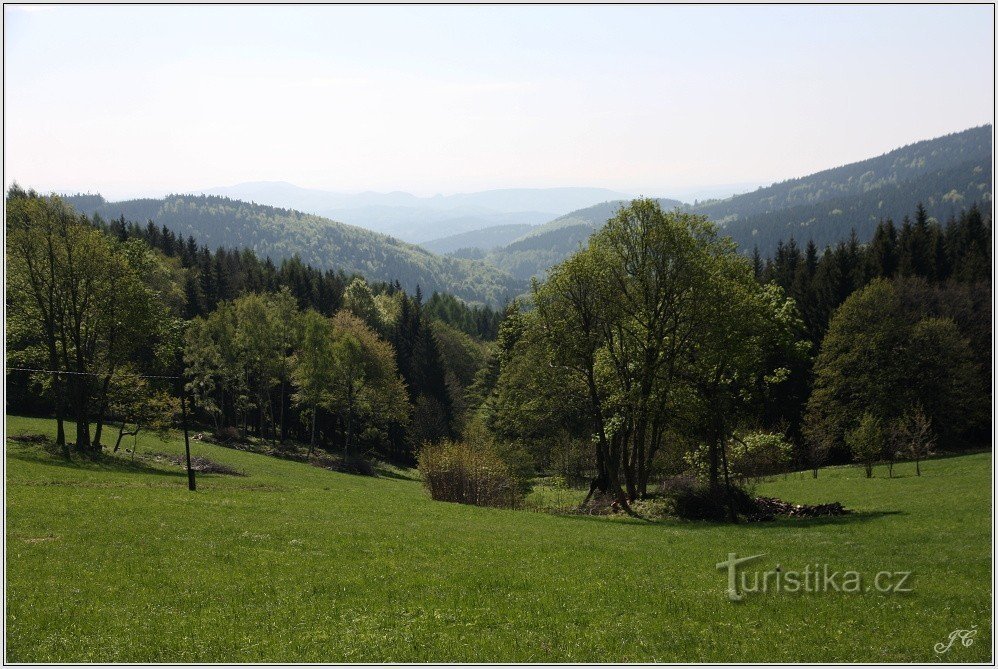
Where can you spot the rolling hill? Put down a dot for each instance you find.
(420, 219)
(484, 239)
(282, 233)
(946, 174)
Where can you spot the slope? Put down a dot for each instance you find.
(946, 174)
(856, 179)
(282, 233)
(115, 561)
(483, 239)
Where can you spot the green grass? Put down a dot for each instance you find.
(117, 561)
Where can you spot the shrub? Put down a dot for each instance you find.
(696, 501)
(455, 471)
(866, 441)
(228, 435)
(912, 436)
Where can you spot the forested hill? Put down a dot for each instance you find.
(947, 175)
(944, 193)
(933, 156)
(282, 233)
(486, 238)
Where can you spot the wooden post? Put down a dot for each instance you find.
(191, 483)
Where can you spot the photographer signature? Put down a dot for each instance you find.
(966, 637)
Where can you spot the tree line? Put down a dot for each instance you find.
(320, 242)
(128, 316)
(659, 340)
(656, 349)
(225, 274)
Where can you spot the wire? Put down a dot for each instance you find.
(57, 371)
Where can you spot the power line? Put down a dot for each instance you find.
(59, 371)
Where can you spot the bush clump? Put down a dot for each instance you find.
(227, 436)
(694, 500)
(455, 471)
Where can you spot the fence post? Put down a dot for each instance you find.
(191, 483)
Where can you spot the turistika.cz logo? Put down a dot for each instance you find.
(816, 578)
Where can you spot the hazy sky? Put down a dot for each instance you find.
(650, 100)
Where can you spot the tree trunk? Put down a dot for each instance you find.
(101, 410)
(612, 463)
(284, 429)
(349, 433)
(918, 469)
(191, 483)
(639, 454)
(311, 443)
(82, 420)
(123, 433)
(714, 462)
(653, 446)
(59, 389)
(869, 471)
(728, 494)
(627, 457)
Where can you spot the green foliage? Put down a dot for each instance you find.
(359, 300)
(85, 304)
(883, 353)
(752, 455)
(366, 388)
(665, 328)
(866, 441)
(462, 358)
(324, 244)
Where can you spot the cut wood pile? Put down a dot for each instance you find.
(771, 506)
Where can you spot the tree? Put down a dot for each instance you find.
(84, 296)
(287, 337)
(202, 364)
(359, 300)
(313, 368)
(260, 351)
(866, 441)
(34, 266)
(883, 355)
(913, 436)
(573, 308)
(667, 326)
(131, 399)
(366, 390)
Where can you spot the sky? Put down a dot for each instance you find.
(651, 100)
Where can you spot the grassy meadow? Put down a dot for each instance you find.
(117, 561)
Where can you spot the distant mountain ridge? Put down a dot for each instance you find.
(891, 168)
(419, 219)
(282, 233)
(946, 174)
